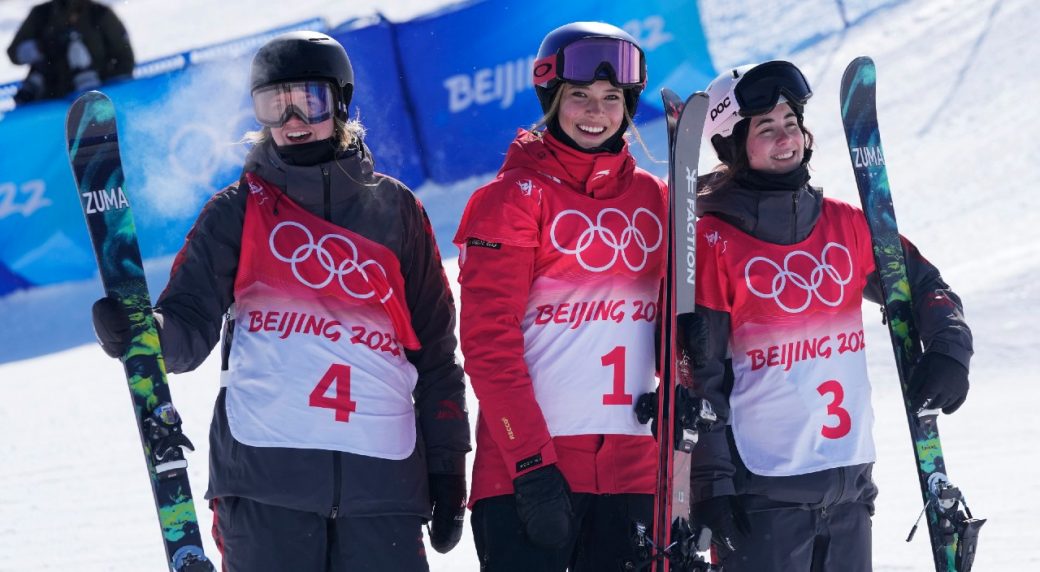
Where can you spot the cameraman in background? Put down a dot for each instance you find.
(70, 46)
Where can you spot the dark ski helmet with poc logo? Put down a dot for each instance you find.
(583, 52)
(299, 56)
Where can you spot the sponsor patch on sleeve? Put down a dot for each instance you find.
(483, 243)
(524, 464)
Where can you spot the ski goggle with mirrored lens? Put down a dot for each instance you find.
(761, 87)
(311, 101)
(591, 59)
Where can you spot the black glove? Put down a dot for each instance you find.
(112, 326)
(694, 413)
(695, 337)
(646, 411)
(694, 340)
(938, 382)
(448, 498)
(727, 519)
(543, 503)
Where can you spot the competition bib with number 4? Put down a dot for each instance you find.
(320, 331)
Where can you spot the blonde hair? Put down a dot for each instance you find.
(554, 109)
(347, 134)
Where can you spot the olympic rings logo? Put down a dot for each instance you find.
(811, 286)
(340, 271)
(630, 235)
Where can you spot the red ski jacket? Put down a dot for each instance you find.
(561, 261)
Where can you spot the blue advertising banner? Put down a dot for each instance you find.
(181, 136)
(468, 70)
(441, 97)
(379, 99)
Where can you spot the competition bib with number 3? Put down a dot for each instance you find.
(801, 398)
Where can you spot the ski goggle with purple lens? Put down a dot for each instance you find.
(588, 60)
(311, 101)
(761, 87)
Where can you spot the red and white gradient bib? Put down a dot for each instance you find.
(320, 328)
(801, 398)
(590, 318)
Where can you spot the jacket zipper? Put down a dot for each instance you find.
(794, 213)
(841, 484)
(327, 184)
(336, 485)
(336, 470)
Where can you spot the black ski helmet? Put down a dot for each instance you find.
(568, 34)
(301, 56)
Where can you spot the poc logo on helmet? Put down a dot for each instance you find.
(720, 108)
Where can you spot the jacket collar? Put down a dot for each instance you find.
(776, 216)
(305, 185)
(597, 175)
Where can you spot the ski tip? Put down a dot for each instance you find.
(92, 104)
(668, 94)
(697, 95)
(857, 64)
(89, 96)
(860, 73)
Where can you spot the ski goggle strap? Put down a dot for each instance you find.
(761, 87)
(311, 101)
(591, 59)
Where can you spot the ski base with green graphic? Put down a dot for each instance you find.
(952, 529)
(93, 146)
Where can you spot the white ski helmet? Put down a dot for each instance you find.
(751, 90)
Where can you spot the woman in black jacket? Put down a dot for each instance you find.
(785, 482)
(341, 417)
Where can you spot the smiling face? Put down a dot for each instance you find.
(775, 142)
(295, 131)
(591, 114)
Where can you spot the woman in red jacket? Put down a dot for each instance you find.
(561, 261)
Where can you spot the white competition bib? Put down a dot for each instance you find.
(801, 398)
(320, 330)
(803, 404)
(305, 380)
(590, 360)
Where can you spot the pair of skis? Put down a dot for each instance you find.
(952, 530)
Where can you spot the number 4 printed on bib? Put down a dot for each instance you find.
(339, 375)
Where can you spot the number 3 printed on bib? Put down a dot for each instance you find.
(834, 408)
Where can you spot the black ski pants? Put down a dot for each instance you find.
(257, 537)
(603, 542)
(792, 538)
